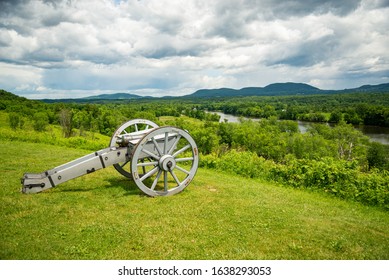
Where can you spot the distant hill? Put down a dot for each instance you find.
(272, 89)
(283, 89)
(114, 96)
(97, 98)
(371, 88)
(214, 92)
(290, 88)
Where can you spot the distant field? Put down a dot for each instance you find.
(219, 216)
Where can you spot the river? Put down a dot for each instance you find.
(375, 133)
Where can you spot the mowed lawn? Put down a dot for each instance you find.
(218, 216)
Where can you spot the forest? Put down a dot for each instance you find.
(338, 160)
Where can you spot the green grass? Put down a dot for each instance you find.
(218, 216)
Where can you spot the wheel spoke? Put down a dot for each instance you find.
(184, 159)
(156, 180)
(183, 170)
(136, 127)
(181, 150)
(165, 143)
(165, 180)
(175, 177)
(147, 163)
(157, 146)
(150, 173)
(125, 132)
(174, 144)
(150, 154)
(143, 167)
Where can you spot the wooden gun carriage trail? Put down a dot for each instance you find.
(161, 161)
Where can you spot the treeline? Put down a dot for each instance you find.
(100, 118)
(361, 108)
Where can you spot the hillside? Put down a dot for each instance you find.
(9, 99)
(5, 95)
(373, 88)
(218, 216)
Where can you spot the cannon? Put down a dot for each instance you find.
(161, 161)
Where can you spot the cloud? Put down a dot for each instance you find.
(303, 8)
(172, 47)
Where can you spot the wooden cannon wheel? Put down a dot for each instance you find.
(135, 125)
(164, 161)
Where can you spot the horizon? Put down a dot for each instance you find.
(75, 49)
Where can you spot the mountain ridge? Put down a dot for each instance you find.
(288, 88)
(274, 89)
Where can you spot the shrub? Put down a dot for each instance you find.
(341, 178)
(377, 155)
(15, 120)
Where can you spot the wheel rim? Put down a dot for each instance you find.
(164, 162)
(129, 127)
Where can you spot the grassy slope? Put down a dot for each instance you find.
(219, 216)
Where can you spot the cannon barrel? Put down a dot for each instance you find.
(124, 139)
(33, 183)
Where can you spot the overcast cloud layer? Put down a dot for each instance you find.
(73, 48)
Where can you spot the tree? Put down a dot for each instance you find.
(335, 117)
(81, 121)
(66, 121)
(352, 117)
(41, 120)
(348, 139)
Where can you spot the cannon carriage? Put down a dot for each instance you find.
(161, 161)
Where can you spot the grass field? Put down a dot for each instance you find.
(219, 216)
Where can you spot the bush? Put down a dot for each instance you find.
(15, 120)
(377, 156)
(337, 177)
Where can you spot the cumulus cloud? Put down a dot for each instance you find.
(53, 48)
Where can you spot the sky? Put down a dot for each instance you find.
(78, 48)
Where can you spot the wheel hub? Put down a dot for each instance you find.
(167, 163)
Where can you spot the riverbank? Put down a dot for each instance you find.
(375, 133)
